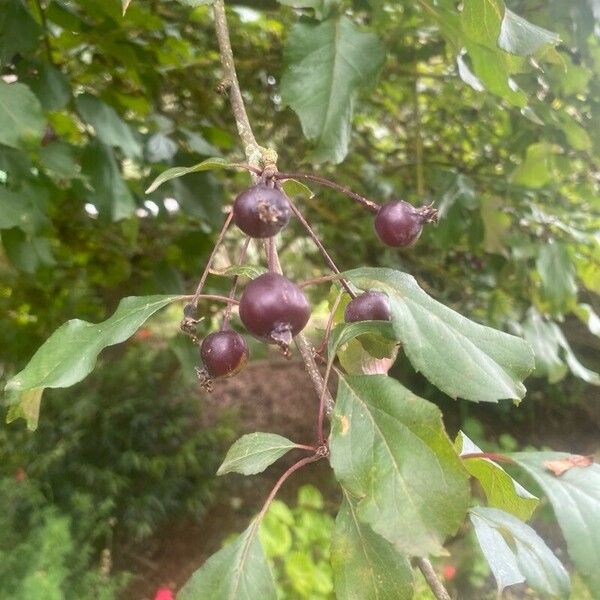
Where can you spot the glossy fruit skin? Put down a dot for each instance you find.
(274, 309)
(398, 224)
(224, 353)
(370, 306)
(261, 211)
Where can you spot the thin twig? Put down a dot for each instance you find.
(251, 147)
(194, 301)
(212, 297)
(323, 345)
(313, 236)
(489, 455)
(281, 481)
(369, 204)
(437, 587)
(236, 279)
(316, 280)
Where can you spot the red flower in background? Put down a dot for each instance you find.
(164, 594)
(449, 572)
(142, 334)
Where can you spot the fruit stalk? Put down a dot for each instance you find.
(313, 236)
(368, 204)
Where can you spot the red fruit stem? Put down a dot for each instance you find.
(212, 297)
(250, 168)
(323, 345)
(242, 257)
(196, 296)
(368, 204)
(305, 447)
(315, 280)
(301, 463)
(326, 257)
(491, 455)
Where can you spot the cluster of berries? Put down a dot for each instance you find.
(273, 308)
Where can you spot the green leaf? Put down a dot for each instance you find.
(249, 271)
(538, 168)
(21, 120)
(20, 209)
(482, 19)
(19, 33)
(254, 452)
(198, 144)
(519, 36)
(239, 571)
(321, 7)
(461, 357)
(28, 408)
(110, 128)
(390, 451)
(365, 565)
(557, 273)
(110, 194)
(294, 188)
(310, 497)
(575, 498)
(548, 341)
(27, 252)
(572, 361)
(275, 536)
(586, 313)
(59, 159)
(342, 333)
(515, 552)
(70, 353)
(542, 337)
(205, 165)
(501, 490)
(50, 86)
(161, 147)
(326, 64)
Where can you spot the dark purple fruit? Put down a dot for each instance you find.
(274, 309)
(224, 353)
(399, 224)
(370, 306)
(261, 211)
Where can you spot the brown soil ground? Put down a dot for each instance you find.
(274, 396)
(277, 396)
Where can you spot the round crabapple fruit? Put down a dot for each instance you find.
(370, 306)
(274, 309)
(261, 211)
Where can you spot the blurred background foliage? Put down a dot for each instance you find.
(503, 139)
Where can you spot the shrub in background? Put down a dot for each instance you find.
(115, 456)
